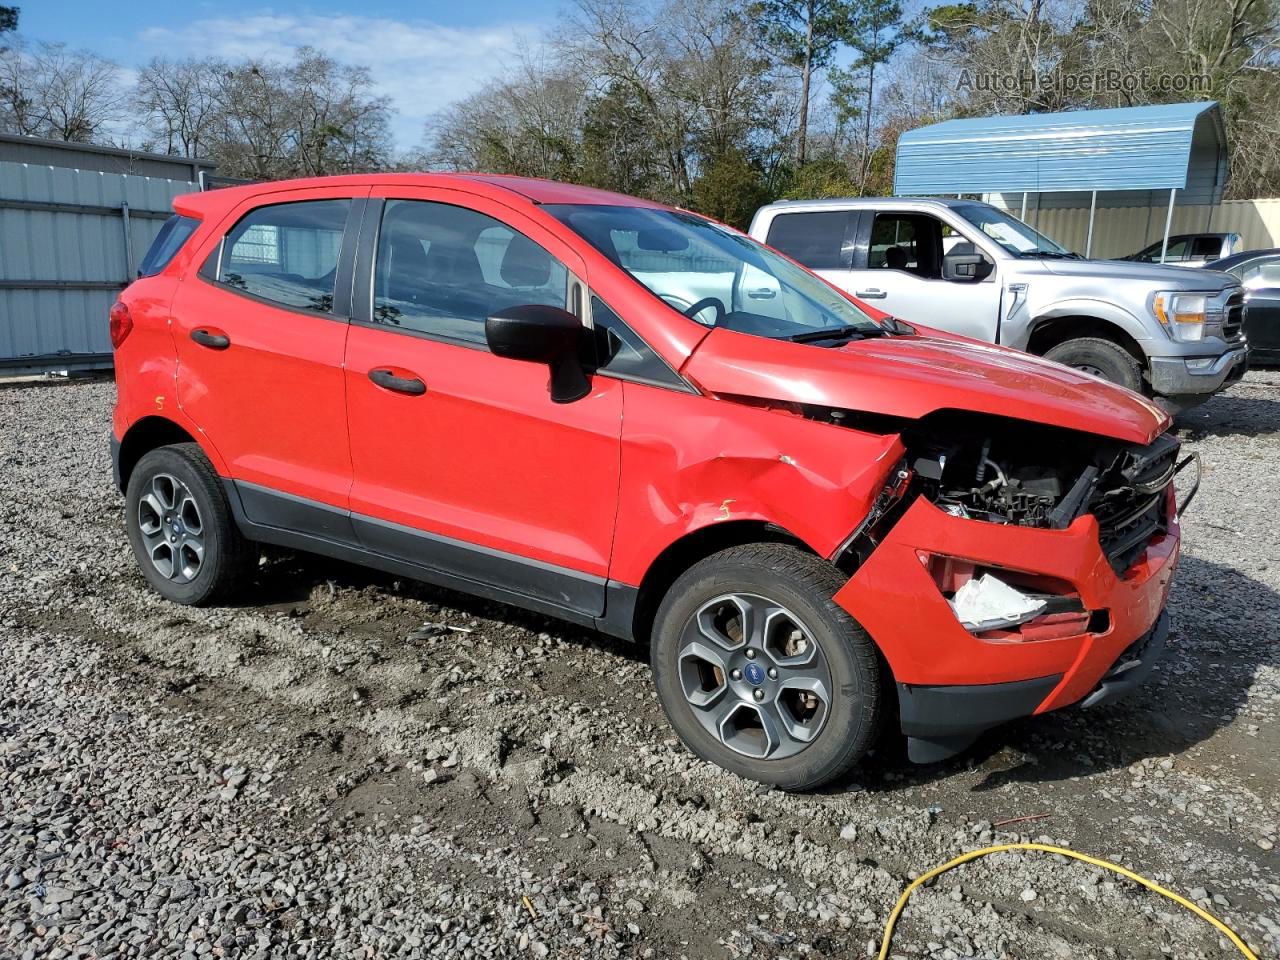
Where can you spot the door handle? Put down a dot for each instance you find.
(874, 293)
(764, 293)
(214, 341)
(410, 385)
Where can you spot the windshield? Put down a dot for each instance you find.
(1011, 233)
(716, 276)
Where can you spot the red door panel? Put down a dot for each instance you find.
(483, 456)
(264, 382)
(505, 485)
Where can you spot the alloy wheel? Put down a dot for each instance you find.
(754, 676)
(172, 528)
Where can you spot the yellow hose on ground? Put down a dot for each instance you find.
(1046, 848)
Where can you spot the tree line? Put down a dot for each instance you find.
(716, 105)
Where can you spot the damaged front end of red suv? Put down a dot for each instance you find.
(1019, 556)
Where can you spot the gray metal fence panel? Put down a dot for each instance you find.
(66, 249)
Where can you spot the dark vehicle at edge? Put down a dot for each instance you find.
(1259, 273)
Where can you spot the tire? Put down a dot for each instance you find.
(176, 509)
(791, 592)
(1102, 358)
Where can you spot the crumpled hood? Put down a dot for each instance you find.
(1166, 276)
(916, 375)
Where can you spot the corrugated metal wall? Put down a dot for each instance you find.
(64, 255)
(1120, 231)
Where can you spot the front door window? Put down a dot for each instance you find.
(443, 270)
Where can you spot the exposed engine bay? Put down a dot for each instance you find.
(1005, 471)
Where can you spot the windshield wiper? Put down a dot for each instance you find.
(1051, 254)
(836, 333)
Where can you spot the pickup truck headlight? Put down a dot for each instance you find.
(1181, 314)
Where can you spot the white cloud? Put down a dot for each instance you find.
(421, 66)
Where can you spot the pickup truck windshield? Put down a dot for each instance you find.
(1011, 233)
(717, 276)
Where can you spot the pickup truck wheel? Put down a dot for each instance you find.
(760, 672)
(181, 528)
(1102, 358)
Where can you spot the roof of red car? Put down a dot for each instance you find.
(530, 189)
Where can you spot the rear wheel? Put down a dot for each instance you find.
(1102, 358)
(761, 672)
(181, 529)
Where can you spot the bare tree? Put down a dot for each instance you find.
(623, 47)
(311, 117)
(51, 91)
(337, 124)
(177, 104)
(529, 123)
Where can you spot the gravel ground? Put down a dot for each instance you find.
(351, 765)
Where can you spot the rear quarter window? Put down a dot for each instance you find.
(176, 231)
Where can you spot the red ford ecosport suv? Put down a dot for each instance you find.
(634, 418)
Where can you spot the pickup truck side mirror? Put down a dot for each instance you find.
(540, 333)
(966, 267)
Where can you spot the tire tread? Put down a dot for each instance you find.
(1123, 358)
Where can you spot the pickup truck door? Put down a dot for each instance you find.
(897, 267)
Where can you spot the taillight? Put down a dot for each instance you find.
(121, 323)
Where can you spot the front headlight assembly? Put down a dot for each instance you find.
(1183, 315)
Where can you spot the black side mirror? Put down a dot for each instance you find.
(543, 334)
(966, 267)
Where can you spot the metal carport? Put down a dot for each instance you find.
(1069, 158)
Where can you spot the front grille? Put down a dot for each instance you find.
(1130, 501)
(1233, 316)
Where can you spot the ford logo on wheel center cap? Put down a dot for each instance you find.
(754, 673)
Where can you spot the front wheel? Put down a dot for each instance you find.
(1102, 358)
(761, 672)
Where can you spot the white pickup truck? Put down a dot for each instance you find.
(971, 268)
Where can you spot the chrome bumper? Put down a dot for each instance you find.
(1175, 376)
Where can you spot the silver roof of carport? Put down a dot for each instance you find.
(1177, 146)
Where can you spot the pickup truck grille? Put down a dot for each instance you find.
(1130, 501)
(1233, 316)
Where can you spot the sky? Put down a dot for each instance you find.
(422, 55)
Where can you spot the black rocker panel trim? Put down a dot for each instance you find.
(570, 589)
(275, 508)
(270, 516)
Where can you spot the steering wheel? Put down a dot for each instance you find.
(693, 311)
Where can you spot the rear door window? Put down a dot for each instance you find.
(176, 231)
(819, 240)
(287, 253)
